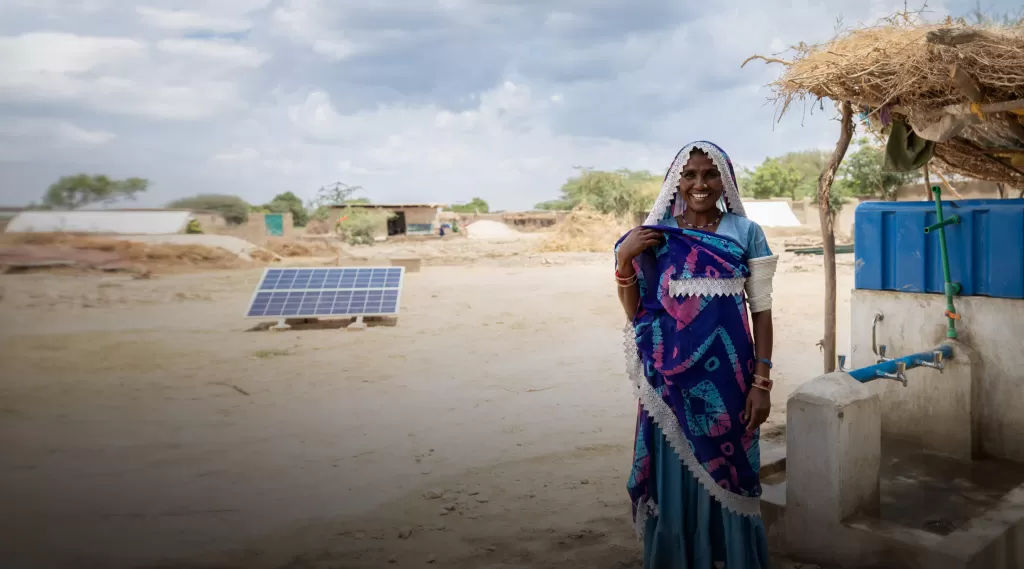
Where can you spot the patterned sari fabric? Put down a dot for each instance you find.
(691, 360)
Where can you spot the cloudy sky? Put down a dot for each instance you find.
(415, 100)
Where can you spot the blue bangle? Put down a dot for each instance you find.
(766, 362)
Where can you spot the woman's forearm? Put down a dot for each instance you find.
(763, 341)
(629, 296)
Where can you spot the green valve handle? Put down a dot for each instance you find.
(951, 289)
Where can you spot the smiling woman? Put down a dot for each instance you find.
(686, 279)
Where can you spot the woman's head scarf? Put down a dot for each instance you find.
(667, 205)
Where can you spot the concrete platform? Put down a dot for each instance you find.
(935, 512)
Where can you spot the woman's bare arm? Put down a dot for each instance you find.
(639, 239)
(629, 296)
(763, 341)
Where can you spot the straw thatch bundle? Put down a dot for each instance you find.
(926, 74)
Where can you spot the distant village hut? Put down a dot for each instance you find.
(406, 219)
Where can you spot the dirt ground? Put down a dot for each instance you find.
(144, 425)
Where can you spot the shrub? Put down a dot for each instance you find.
(358, 225)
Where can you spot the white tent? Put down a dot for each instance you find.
(771, 214)
(125, 222)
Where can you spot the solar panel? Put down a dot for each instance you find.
(327, 291)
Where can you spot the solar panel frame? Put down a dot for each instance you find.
(321, 290)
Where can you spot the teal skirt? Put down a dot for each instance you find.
(692, 530)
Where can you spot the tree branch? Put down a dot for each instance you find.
(828, 176)
(766, 60)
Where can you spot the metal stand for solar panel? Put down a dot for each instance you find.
(357, 325)
(281, 325)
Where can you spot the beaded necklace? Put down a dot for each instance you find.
(704, 226)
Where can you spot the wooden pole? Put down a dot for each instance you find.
(828, 236)
(928, 184)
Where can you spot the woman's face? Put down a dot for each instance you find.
(700, 183)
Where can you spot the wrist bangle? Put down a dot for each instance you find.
(762, 382)
(765, 361)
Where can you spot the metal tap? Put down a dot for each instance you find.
(900, 375)
(879, 351)
(936, 363)
(881, 354)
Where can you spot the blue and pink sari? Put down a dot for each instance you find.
(691, 361)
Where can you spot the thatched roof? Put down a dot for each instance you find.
(967, 79)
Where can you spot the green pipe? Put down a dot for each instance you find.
(951, 288)
(948, 221)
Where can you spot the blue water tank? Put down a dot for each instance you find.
(986, 249)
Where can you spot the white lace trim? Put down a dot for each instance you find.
(759, 285)
(670, 186)
(666, 419)
(645, 511)
(706, 287)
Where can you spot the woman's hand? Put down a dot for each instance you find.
(759, 405)
(638, 240)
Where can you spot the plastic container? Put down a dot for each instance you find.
(986, 249)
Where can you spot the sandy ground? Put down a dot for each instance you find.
(142, 425)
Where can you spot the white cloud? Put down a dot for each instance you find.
(217, 50)
(70, 133)
(35, 139)
(120, 75)
(494, 146)
(184, 20)
(302, 21)
(335, 49)
(243, 155)
(60, 53)
(431, 101)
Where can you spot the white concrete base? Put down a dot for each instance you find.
(833, 441)
(992, 541)
(357, 326)
(829, 513)
(281, 326)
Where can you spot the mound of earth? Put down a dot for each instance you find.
(487, 229)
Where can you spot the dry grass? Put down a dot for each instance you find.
(292, 248)
(902, 68)
(585, 231)
(150, 256)
(895, 64)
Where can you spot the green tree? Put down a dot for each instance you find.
(772, 179)
(554, 205)
(289, 203)
(338, 193)
(863, 173)
(73, 192)
(475, 205)
(809, 165)
(621, 192)
(233, 208)
(776, 180)
(333, 195)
